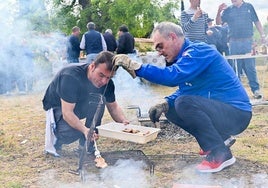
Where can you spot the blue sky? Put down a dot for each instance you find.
(211, 7)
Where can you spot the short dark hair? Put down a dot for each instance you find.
(90, 25)
(75, 28)
(123, 28)
(105, 57)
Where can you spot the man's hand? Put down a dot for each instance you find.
(95, 135)
(156, 111)
(222, 7)
(129, 65)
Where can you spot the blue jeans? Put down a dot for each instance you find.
(211, 122)
(244, 46)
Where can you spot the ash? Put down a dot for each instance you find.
(170, 131)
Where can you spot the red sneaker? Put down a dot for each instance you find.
(203, 153)
(228, 142)
(215, 162)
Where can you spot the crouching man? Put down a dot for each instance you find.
(69, 98)
(210, 103)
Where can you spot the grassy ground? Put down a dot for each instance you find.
(24, 164)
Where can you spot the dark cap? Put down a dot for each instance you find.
(210, 20)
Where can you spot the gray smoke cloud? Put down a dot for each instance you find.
(27, 52)
(124, 173)
(190, 177)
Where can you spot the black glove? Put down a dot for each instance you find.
(156, 111)
(129, 65)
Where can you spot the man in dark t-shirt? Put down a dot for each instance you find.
(73, 95)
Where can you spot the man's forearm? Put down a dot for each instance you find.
(74, 122)
(260, 28)
(116, 113)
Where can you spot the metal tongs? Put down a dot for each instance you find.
(95, 97)
(97, 152)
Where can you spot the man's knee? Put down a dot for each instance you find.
(184, 103)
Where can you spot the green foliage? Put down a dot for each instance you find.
(139, 15)
(34, 15)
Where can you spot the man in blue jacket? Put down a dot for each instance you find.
(210, 102)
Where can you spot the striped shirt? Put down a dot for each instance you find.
(194, 30)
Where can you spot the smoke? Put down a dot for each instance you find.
(190, 177)
(124, 173)
(139, 92)
(27, 50)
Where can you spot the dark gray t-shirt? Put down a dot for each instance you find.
(72, 85)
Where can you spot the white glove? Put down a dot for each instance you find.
(129, 65)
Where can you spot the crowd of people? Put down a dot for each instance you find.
(210, 103)
(226, 35)
(93, 42)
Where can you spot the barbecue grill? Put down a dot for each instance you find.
(113, 156)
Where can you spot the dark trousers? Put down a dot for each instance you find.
(66, 134)
(209, 121)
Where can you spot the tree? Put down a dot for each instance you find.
(139, 15)
(34, 14)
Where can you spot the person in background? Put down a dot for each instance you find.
(110, 40)
(210, 102)
(68, 100)
(25, 72)
(239, 17)
(92, 42)
(213, 34)
(194, 22)
(217, 35)
(73, 46)
(223, 46)
(126, 42)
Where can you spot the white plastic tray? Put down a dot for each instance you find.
(115, 130)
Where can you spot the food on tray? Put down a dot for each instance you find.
(128, 130)
(135, 131)
(125, 132)
(148, 132)
(100, 162)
